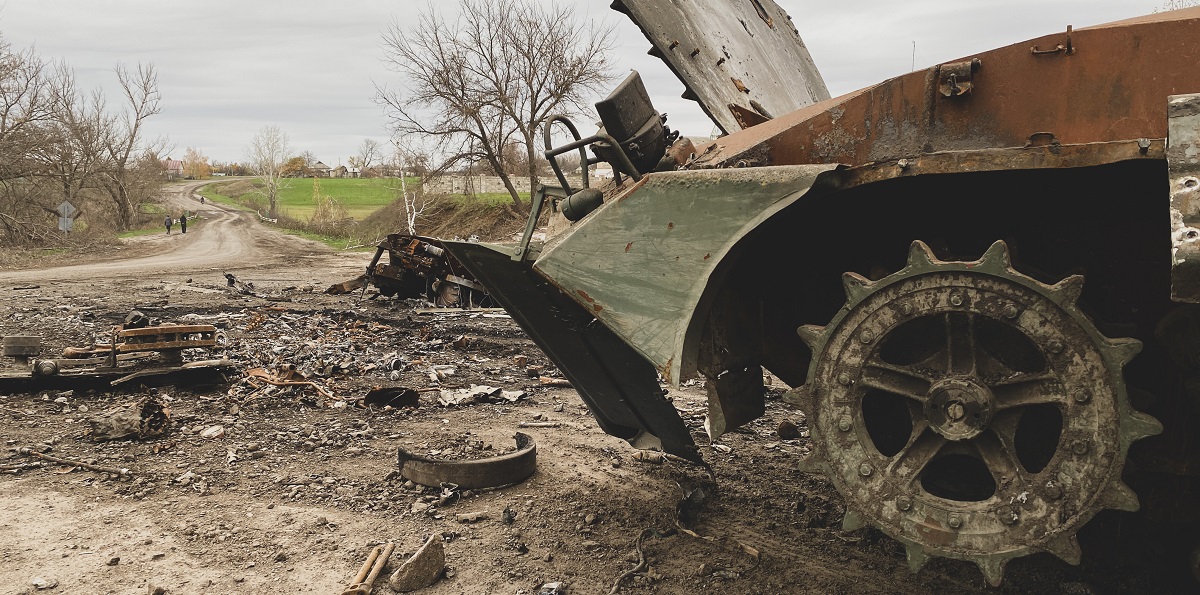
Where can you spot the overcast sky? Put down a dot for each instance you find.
(226, 68)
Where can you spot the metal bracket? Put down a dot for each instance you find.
(1066, 48)
(1183, 169)
(955, 79)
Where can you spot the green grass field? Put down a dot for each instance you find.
(360, 197)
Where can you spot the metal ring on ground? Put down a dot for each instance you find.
(506, 469)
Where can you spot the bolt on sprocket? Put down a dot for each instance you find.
(970, 411)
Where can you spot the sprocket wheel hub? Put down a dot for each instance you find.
(969, 411)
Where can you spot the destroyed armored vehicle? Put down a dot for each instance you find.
(979, 279)
(418, 267)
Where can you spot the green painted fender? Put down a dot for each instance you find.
(642, 263)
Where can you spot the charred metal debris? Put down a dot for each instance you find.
(418, 267)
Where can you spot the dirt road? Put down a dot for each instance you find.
(219, 238)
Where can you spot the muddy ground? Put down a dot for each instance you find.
(299, 485)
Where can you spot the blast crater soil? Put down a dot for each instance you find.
(258, 488)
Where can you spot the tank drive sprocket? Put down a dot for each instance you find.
(970, 411)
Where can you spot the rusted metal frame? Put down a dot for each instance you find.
(1183, 167)
(1022, 158)
(1015, 94)
(150, 338)
(506, 469)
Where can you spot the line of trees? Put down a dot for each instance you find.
(60, 143)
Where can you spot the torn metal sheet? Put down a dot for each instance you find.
(742, 60)
(506, 469)
(1183, 163)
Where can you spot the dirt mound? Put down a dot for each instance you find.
(235, 188)
(450, 219)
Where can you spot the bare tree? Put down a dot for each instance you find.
(267, 154)
(129, 178)
(1177, 4)
(494, 75)
(414, 198)
(29, 101)
(57, 143)
(368, 154)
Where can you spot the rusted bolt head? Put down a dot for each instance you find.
(843, 379)
(1083, 395)
(956, 300)
(1008, 516)
(955, 521)
(844, 424)
(1053, 492)
(866, 336)
(906, 309)
(1011, 311)
(1080, 447)
(904, 503)
(903, 163)
(865, 470)
(1055, 346)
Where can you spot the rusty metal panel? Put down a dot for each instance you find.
(1106, 83)
(1183, 162)
(742, 60)
(641, 263)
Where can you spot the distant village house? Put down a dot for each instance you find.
(173, 168)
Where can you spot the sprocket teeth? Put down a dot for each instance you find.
(1066, 292)
(917, 558)
(811, 335)
(857, 288)
(992, 569)
(919, 255)
(1123, 349)
(1119, 496)
(996, 259)
(852, 521)
(1139, 425)
(1066, 547)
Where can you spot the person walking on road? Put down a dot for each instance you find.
(183, 223)
(167, 222)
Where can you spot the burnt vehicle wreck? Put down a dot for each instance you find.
(418, 267)
(965, 274)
